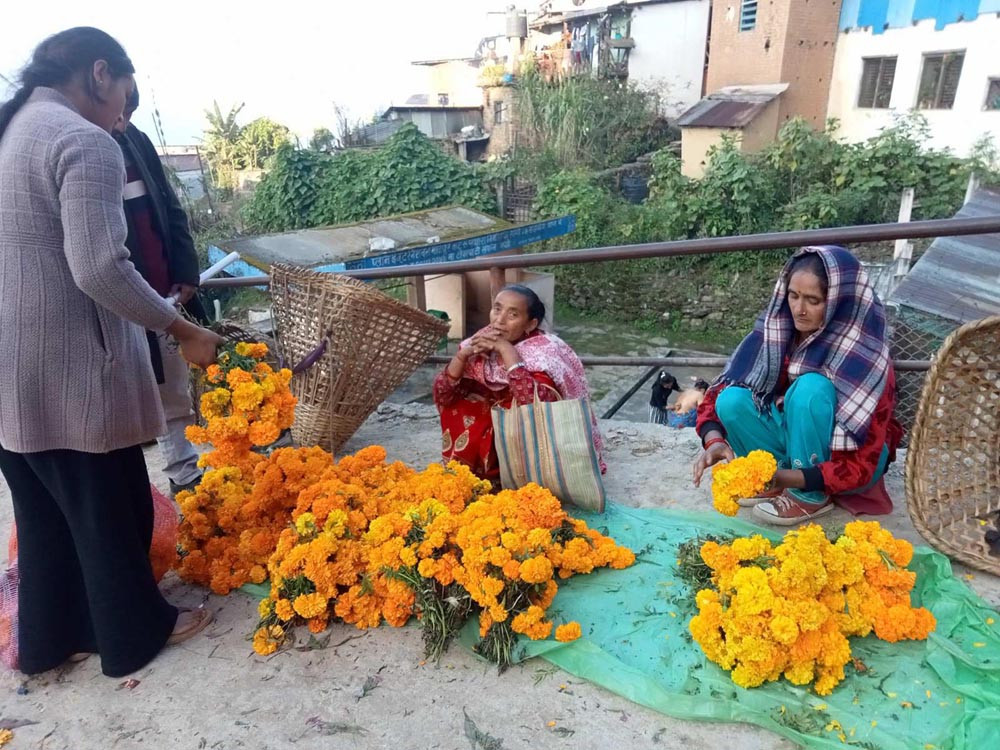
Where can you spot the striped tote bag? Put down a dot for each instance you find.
(551, 444)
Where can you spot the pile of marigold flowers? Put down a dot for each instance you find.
(372, 542)
(790, 609)
(231, 521)
(363, 541)
(742, 477)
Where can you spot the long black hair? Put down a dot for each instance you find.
(536, 308)
(61, 57)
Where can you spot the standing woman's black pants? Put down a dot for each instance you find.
(84, 525)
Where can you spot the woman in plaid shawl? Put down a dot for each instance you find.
(813, 385)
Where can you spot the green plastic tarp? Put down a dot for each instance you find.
(939, 694)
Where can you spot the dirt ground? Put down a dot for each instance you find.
(371, 689)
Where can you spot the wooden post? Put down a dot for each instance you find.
(498, 280)
(416, 293)
(903, 251)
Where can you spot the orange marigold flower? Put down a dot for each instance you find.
(308, 606)
(568, 632)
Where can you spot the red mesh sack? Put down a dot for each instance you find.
(8, 616)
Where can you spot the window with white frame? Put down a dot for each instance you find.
(877, 77)
(748, 15)
(939, 80)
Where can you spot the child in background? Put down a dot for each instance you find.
(685, 409)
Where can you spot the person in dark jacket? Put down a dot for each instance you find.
(663, 386)
(163, 251)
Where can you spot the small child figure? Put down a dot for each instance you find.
(684, 412)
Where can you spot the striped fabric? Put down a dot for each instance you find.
(551, 444)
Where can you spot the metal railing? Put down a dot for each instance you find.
(674, 248)
(910, 381)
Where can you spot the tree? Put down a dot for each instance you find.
(259, 141)
(221, 145)
(323, 139)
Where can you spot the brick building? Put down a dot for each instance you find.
(756, 49)
(784, 41)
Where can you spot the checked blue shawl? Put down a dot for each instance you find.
(850, 349)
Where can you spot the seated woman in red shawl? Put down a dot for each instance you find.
(510, 361)
(813, 385)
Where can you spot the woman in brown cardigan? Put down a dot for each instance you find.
(77, 392)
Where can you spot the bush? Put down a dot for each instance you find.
(308, 189)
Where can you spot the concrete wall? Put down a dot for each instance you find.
(957, 128)
(501, 134)
(669, 53)
(793, 42)
(764, 128)
(456, 78)
(696, 142)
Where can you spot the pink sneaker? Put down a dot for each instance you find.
(786, 510)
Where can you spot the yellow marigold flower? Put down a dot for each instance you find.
(305, 525)
(267, 640)
(536, 570)
(427, 567)
(408, 557)
(283, 608)
(308, 606)
(742, 477)
(568, 632)
(265, 608)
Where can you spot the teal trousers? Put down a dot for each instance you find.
(798, 435)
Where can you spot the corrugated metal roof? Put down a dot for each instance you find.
(731, 107)
(958, 278)
(716, 113)
(182, 162)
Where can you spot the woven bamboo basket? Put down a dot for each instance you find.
(232, 332)
(373, 344)
(953, 462)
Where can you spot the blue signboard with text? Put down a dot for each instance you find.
(471, 247)
(435, 252)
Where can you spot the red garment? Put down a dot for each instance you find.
(846, 471)
(140, 210)
(466, 423)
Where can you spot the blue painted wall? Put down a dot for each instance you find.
(897, 14)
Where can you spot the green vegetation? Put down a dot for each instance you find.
(306, 188)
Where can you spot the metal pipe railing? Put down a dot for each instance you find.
(674, 248)
(900, 365)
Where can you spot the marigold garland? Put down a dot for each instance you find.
(742, 477)
(789, 610)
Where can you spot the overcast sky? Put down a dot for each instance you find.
(288, 60)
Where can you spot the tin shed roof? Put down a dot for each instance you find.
(731, 107)
(958, 278)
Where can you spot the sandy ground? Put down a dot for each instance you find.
(212, 692)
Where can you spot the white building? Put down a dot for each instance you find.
(657, 44)
(938, 57)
